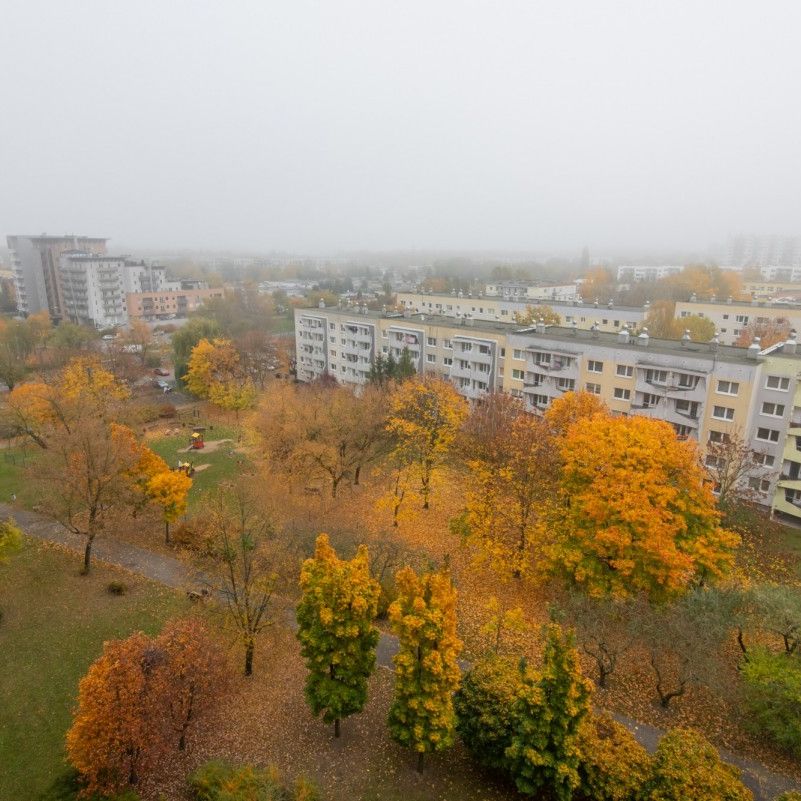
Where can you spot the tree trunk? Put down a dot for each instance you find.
(249, 647)
(336, 728)
(420, 757)
(356, 474)
(167, 531)
(87, 554)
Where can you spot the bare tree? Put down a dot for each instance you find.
(731, 464)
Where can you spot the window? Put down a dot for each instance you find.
(447, 361)
(333, 352)
(682, 431)
(728, 388)
(656, 376)
(625, 370)
(725, 316)
(595, 367)
(517, 374)
(431, 342)
(332, 326)
(566, 384)
(517, 353)
(764, 459)
(687, 381)
(742, 318)
(593, 389)
(773, 409)
(516, 393)
(385, 335)
(447, 344)
(767, 434)
(780, 382)
(622, 394)
(723, 413)
(649, 400)
(503, 353)
(714, 461)
(384, 349)
(759, 484)
(431, 358)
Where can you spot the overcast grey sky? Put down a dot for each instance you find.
(316, 126)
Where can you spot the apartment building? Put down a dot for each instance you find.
(92, 289)
(513, 290)
(35, 262)
(731, 317)
(141, 276)
(770, 289)
(763, 251)
(628, 273)
(606, 317)
(706, 391)
(165, 304)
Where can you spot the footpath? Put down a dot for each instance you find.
(764, 783)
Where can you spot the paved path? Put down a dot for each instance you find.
(765, 784)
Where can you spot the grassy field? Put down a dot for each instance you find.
(54, 626)
(222, 463)
(12, 479)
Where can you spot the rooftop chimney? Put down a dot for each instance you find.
(643, 338)
(594, 329)
(693, 298)
(595, 305)
(623, 335)
(685, 337)
(573, 327)
(754, 348)
(540, 325)
(729, 299)
(791, 345)
(715, 341)
(610, 304)
(321, 304)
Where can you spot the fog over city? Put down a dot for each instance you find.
(318, 127)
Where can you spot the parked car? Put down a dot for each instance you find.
(161, 371)
(108, 337)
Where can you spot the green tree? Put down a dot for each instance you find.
(423, 617)
(484, 708)
(687, 767)
(184, 341)
(544, 755)
(335, 628)
(773, 696)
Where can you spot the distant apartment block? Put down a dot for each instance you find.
(92, 289)
(634, 273)
(35, 261)
(705, 391)
(730, 318)
(166, 304)
(604, 317)
(511, 290)
(769, 289)
(781, 274)
(763, 251)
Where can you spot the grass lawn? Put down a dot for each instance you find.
(12, 479)
(222, 465)
(54, 626)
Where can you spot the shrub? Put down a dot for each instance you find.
(613, 764)
(484, 708)
(116, 588)
(687, 767)
(222, 781)
(773, 696)
(167, 410)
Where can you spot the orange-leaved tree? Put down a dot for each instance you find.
(635, 513)
(139, 702)
(572, 407)
(215, 372)
(425, 416)
(536, 314)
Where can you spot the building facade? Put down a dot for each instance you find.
(92, 289)
(730, 318)
(709, 392)
(606, 317)
(35, 261)
(512, 290)
(763, 251)
(166, 304)
(629, 273)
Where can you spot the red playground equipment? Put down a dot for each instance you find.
(196, 440)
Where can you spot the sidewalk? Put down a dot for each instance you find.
(764, 784)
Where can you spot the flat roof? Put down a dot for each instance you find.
(530, 301)
(566, 334)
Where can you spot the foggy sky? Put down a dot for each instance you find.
(317, 126)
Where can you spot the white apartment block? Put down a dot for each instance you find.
(706, 391)
(139, 276)
(92, 289)
(511, 290)
(605, 317)
(781, 274)
(634, 273)
(763, 251)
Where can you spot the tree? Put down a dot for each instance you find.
(572, 407)
(634, 513)
(169, 490)
(614, 766)
(484, 706)
(425, 416)
(140, 700)
(138, 338)
(214, 372)
(385, 370)
(598, 284)
(187, 337)
(486, 431)
(544, 754)
(536, 314)
(730, 464)
(687, 767)
(423, 617)
(776, 608)
(17, 341)
(335, 628)
(505, 501)
(258, 355)
(245, 565)
(661, 322)
(769, 332)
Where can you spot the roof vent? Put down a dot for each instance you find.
(595, 305)
(729, 300)
(594, 329)
(693, 298)
(754, 302)
(623, 335)
(647, 305)
(573, 327)
(685, 337)
(643, 338)
(610, 304)
(754, 348)
(540, 325)
(713, 299)
(321, 304)
(579, 301)
(715, 341)
(422, 318)
(468, 320)
(791, 345)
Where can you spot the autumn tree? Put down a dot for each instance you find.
(215, 372)
(768, 331)
(169, 491)
(17, 341)
(634, 513)
(139, 702)
(544, 754)
(731, 462)
(599, 284)
(335, 628)
(246, 564)
(572, 407)
(485, 432)
(687, 767)
(187, 337)
(537, 314)
(425, 416)
(423, 617)
(385, 370)
(661, 322)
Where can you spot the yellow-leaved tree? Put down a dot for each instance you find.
(635, 513)
(535, 314)
(425, 416)
(215, 373)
